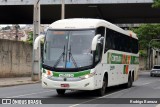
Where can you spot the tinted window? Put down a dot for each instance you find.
(120, 42)
(156, 67)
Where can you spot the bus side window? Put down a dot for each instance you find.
(120, 42)
(109, 40)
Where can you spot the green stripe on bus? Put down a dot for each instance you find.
(134, 60)
(44, 71)
(124, 69)
(114, 58)
(76, 74)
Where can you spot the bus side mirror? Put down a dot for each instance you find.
(101, 40)
(95, 42)
(37, 41)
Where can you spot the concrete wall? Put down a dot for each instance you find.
(156, 57)
(142, 63)
(15, 58)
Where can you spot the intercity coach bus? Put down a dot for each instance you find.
(88, 54)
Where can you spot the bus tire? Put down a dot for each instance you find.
(60, 91)
(101, 91)
(130, 81)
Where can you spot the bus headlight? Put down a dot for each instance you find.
(88, 75)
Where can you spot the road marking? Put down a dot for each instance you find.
(30, 94)
(100, 97)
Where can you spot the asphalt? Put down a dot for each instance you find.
(144, 87)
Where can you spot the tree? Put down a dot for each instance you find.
(147, 32)
(156, 4)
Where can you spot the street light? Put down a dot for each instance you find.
(150, 50)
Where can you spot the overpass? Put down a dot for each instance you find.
(115, 11)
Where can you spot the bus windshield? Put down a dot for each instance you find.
(68, 49)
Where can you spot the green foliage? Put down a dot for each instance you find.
(142, 53)
(30, 39)
(156, 4)
(147, 32)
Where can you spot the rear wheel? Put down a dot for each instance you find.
(130, 82)
(102, 90)
(60, 91)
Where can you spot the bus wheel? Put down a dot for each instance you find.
(130, 82)
(102, 90)
(60, 91)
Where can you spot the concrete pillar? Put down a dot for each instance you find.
(36, 33)
(63, 9)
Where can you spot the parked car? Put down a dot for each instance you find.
(155, 71)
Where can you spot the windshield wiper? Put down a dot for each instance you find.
(62, 55)
(71, 57)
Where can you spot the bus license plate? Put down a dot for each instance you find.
(64, 85)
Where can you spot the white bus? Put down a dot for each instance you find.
(88, 54)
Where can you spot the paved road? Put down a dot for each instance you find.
(144, 87)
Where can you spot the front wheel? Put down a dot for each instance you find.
(102, 90)
(60, 91)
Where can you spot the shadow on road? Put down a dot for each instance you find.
(86, 94)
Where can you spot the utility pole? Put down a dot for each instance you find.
(36, 52)
(62, 9)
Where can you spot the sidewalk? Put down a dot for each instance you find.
(5, 82)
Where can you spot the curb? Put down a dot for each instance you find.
(9, 85)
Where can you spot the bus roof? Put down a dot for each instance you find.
(83, 23)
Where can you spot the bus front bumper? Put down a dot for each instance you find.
(85, 84)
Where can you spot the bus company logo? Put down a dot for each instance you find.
(116, 58)
(66, 75)
(6, 101)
